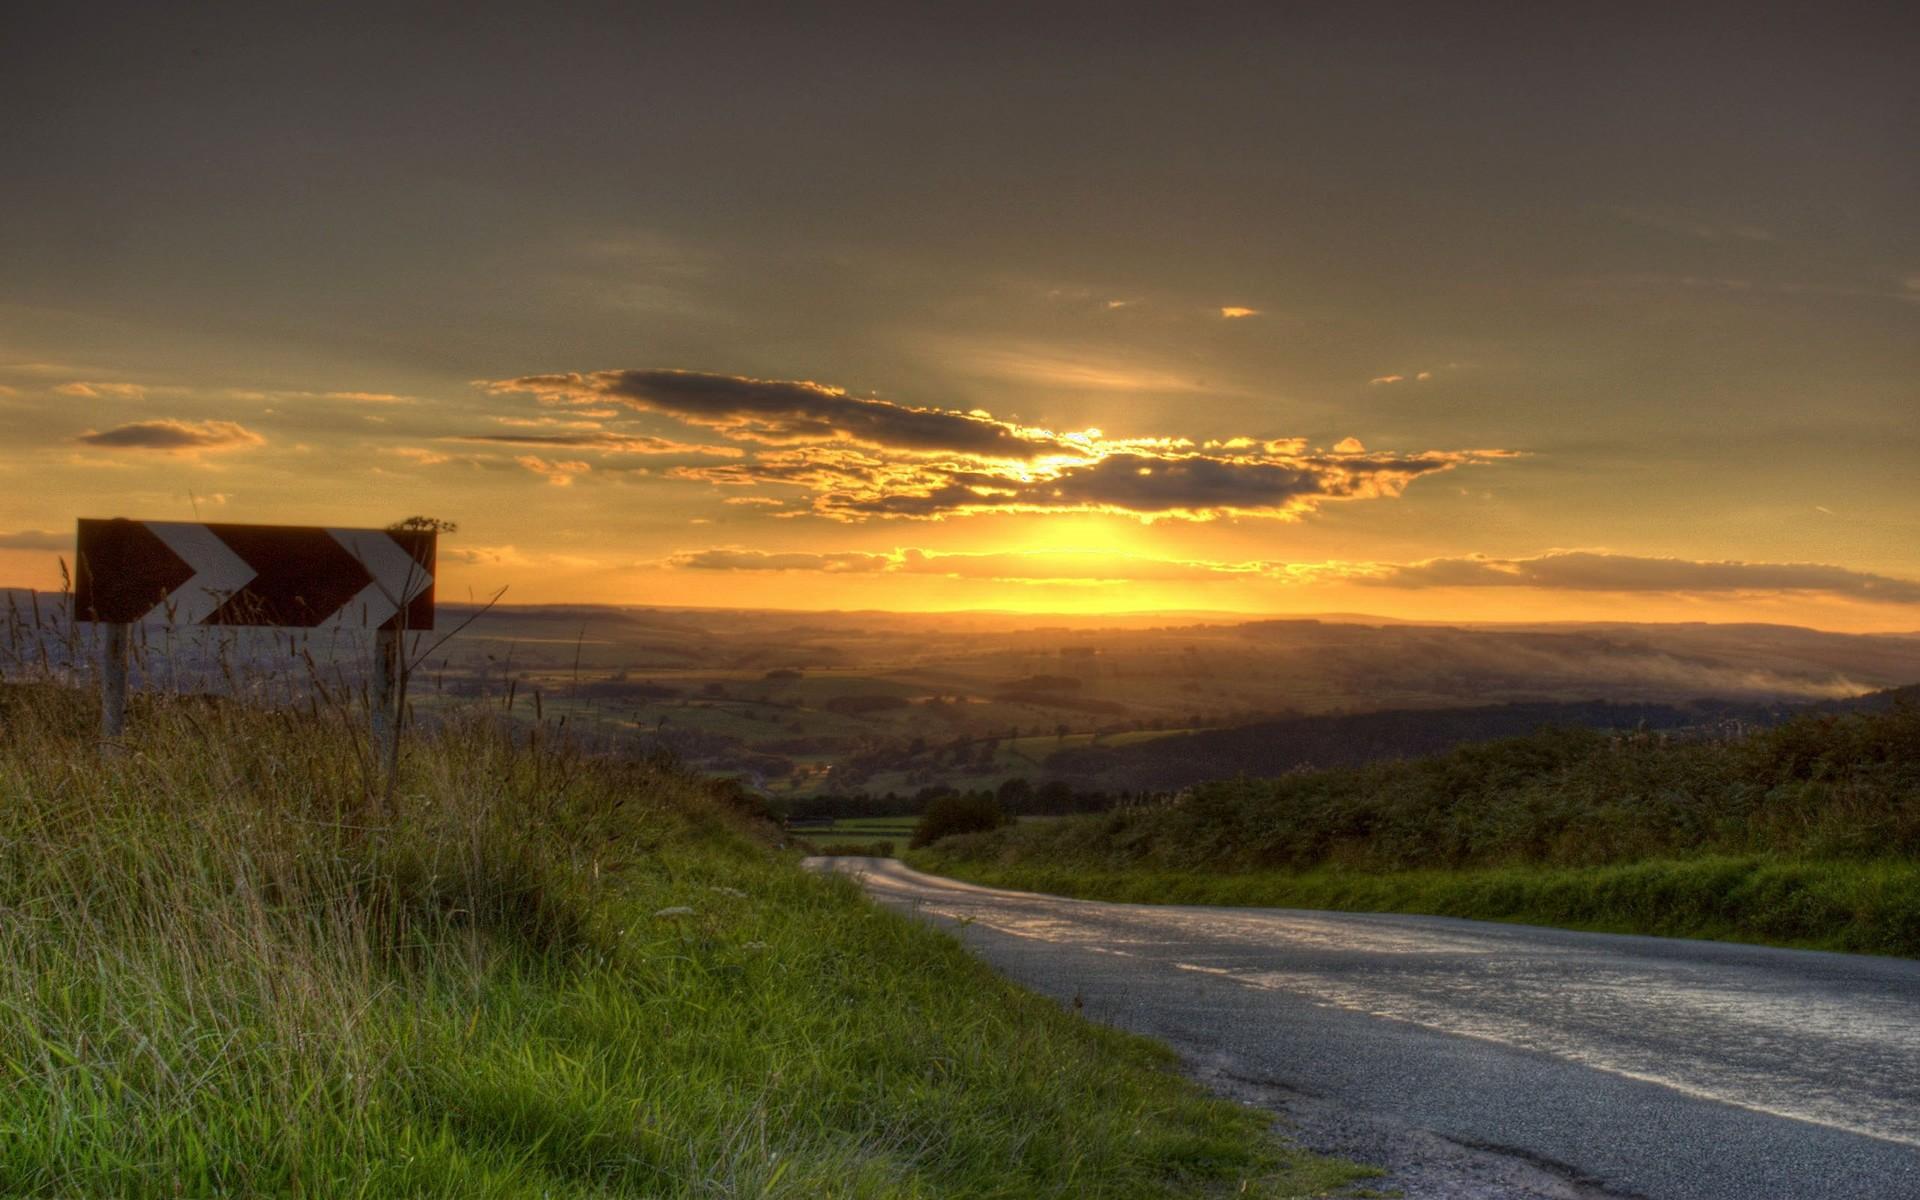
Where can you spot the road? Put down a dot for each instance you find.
(1588, 1064)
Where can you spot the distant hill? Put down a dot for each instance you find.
(1270, 748)
(1872, 701)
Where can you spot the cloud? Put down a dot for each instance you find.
(1556, 570)
(1592, 571)
(1234, 312)
(612, 443)
(174, 436)
(35, 539)
(732, 559)
(1071, 567)
(1051, 366)
(93, 390)
(1387, 379)
(490, 556)
(784, 412)
(558, 473)
(866, 459)
(1013, 567)
(283, 396)
(369, 397)
(1147, 483)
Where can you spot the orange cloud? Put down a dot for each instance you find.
(36, 539)
(784, 412)
(93, 390)
(1147, 485)
(1016, 567)
(174, 437)
(559, 474)
(612, 443)
(1596, 571)
(863, 459)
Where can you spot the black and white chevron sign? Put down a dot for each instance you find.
(195, 574)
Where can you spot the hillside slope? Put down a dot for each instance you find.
(226, 969)
(1270, 748)
(1807, 833)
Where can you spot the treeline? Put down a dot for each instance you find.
(1823, 786)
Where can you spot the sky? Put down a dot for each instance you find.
(1464, 313)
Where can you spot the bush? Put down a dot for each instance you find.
(949, 815)
(1818, 786)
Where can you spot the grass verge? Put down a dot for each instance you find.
(1857, 907)
(228, 968)
(1806, 834)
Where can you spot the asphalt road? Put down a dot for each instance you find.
(1616, 1065)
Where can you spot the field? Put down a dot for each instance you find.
(877, 703)
(871, 827)
(238, 962)
(799, 705)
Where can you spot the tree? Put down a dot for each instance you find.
(949, 815)
(423, 525)
(1055, 796)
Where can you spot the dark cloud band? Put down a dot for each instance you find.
(1588, 571)
(784, 411)
(168, 434)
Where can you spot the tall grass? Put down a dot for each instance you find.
(230, 967)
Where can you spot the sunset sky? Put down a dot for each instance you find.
(1486, 314)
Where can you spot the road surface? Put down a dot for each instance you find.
(1578, 1064)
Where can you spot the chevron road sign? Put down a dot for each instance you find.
(194, 574)
(188, 573)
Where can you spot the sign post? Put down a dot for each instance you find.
(386, 697)
(113, 680)
(189, 573)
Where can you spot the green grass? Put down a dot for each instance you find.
(1807, 834)
(1864, 908)
(228, 967)
(874, 826)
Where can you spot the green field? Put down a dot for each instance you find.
(873, 827)
(237, 964)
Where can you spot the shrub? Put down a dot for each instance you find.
(1821, 786)
(949, 815)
